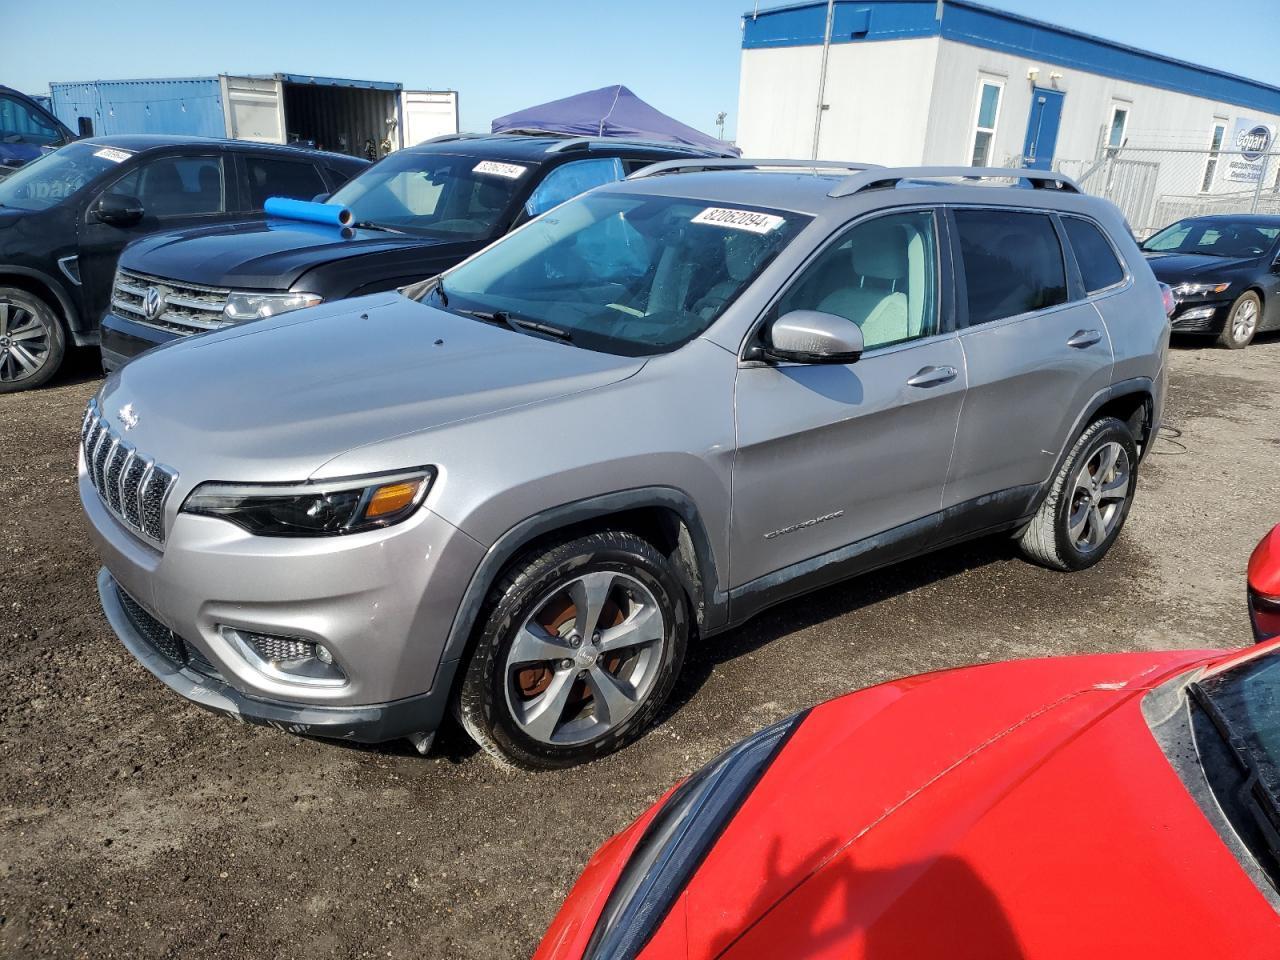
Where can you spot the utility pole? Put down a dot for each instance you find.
(822, 78)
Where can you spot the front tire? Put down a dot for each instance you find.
(578, 650)
(1242, 322)
(1088, 501)
(32, 341)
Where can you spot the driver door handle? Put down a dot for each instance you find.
(1084, 338)
(933, 376)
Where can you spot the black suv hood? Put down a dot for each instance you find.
(1173, 267)
(263, 255)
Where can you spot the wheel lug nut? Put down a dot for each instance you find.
(566, 664)
(595, 638)
(574, 640)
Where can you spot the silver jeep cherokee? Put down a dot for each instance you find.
(522, 488)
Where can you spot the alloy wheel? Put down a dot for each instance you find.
(24, 342)
(1098, 495)
(586, 658)
(1244, 320)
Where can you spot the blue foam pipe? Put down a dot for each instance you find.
(327, 213)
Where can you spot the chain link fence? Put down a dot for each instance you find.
(1156, 186)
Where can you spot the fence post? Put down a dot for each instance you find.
(1257, 189)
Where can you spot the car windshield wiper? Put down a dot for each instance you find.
(516, 323)
(1255, 793)
(370, 225)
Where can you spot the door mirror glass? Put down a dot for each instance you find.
(118, 211)
(810, 336)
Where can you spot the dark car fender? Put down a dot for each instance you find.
(65, 302)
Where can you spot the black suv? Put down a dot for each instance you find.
(65, 217)
(414, 214)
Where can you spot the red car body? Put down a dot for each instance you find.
(1015, 810)
(1264, 587)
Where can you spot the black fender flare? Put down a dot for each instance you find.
(1123, 388)
(714, 602)
(70, 312)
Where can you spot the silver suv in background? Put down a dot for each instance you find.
(523, 488)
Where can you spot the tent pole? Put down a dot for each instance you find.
(822, 78)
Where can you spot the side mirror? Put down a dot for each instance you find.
(809, 336)
(118, 211)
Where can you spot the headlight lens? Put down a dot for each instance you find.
(1199, 289)
(242, 307)
(314, 509)
(677, 841)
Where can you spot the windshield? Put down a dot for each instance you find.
(56, 176)
(1215, 238)
(433, 195)
(1238, 740)
(632, 275)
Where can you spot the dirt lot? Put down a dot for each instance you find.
(134, 825)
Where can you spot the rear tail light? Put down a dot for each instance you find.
(1264, 587)
(1170, 304)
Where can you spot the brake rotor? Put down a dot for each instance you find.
(557, 617)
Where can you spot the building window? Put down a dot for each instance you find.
(984, 124)
(1215, 144)
(1115, 134)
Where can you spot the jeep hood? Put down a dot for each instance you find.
(262, 254)
(274, 400)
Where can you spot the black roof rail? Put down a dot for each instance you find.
(586, 143)
(892, 176)
(694, 165)
(446, 137)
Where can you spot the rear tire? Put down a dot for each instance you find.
(579, 647)
(1242, 322)
(1088, 500)
(32, 341)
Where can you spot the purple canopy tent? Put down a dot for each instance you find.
(608, 112)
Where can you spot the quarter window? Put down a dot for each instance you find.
(882, 275)
(269, 177)
(1012, 263)
(984, 126)
(1099, 267)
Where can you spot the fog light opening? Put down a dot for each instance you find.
(284, 658)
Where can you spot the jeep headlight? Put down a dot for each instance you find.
(678, 839)
(314, 509)
(1199, 289)
(242, 307)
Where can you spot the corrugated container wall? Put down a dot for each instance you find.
(190, 106)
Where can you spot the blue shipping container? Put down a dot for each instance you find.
(189, 106)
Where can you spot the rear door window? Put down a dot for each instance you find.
(273, 177)
(1012, 263)
(1095, 256)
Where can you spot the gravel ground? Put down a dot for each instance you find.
(134, 825)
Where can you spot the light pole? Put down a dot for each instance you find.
(720, 124)
(822, 78)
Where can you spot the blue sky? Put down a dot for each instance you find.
(502, 55)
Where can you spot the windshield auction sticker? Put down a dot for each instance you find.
(112, 154)
(747, 220)
(512, 171)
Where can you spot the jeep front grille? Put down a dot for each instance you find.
(133, 487)
(183, 308)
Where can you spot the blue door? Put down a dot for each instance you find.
(1042, 128)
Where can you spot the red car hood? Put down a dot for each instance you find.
(1014, 810)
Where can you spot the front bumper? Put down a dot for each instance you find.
(382, 602)
(123, 339)
(1200, 316)
(198, 681)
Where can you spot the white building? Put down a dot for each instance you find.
(953, 82)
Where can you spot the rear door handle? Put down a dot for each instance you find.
(1084, 338)
(933, 376)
